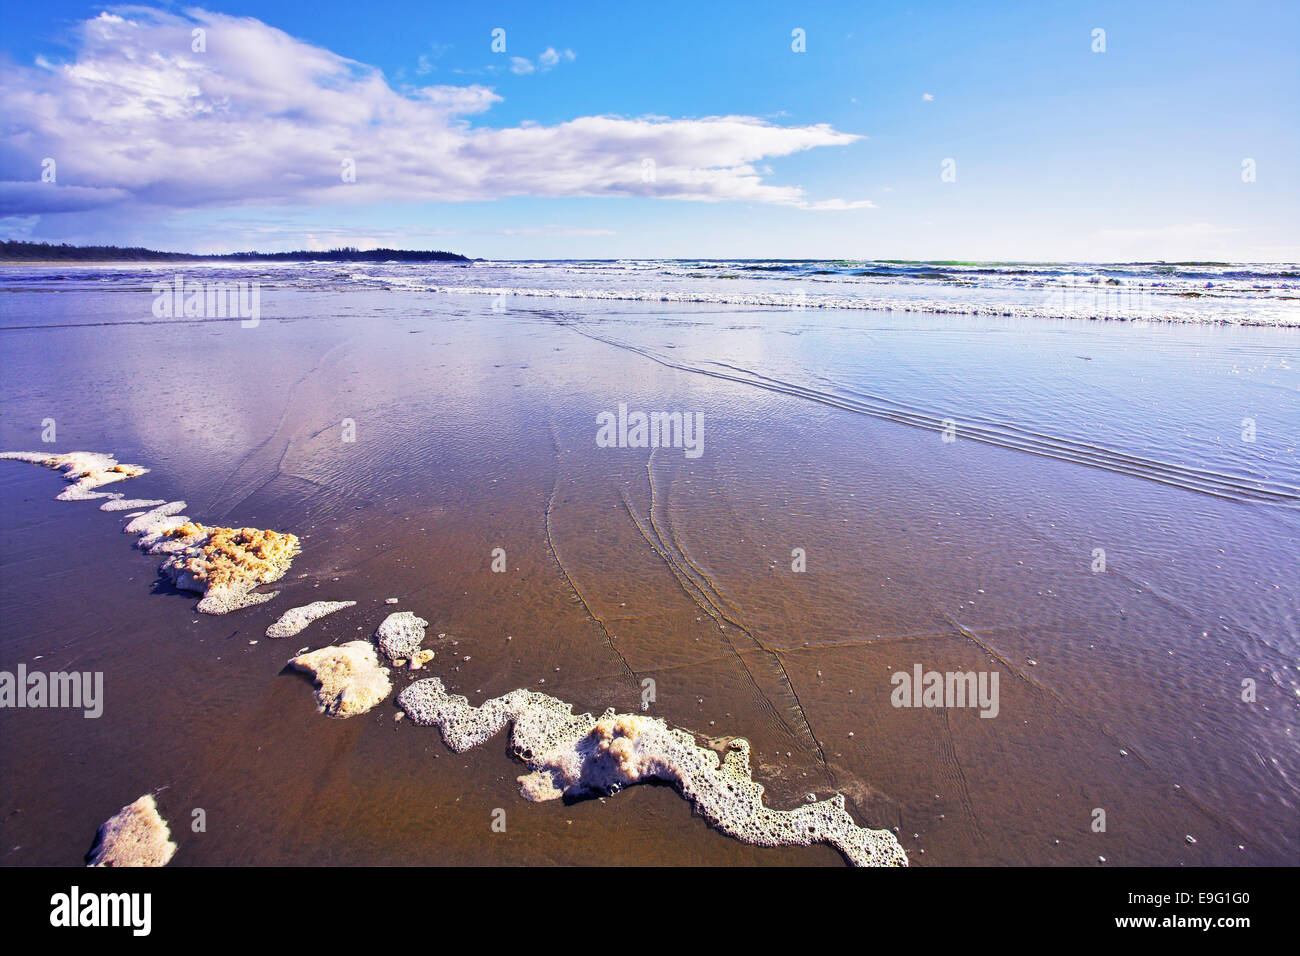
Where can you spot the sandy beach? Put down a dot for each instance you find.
(876, 493)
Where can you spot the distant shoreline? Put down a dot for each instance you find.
(42, 253)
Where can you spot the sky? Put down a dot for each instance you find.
(1037, 131)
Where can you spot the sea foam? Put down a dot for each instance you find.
(225, 564)
(156, 519)
(400, 635)
(222, 564)
(568, 755)
(134, 836)
(118, 503)
(296, 619)
(349, 677)
(87, 470)
(575, 755)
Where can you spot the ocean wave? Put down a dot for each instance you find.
(1100, 306)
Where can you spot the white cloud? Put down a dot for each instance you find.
(546, 60)
(927, 97)
(550, 57)
(137, 117)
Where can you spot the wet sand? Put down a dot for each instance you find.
(475, 430)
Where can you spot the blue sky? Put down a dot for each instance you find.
(541, 151)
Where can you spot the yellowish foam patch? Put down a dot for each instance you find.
(349, 678)
(571, 755)
(134, 836)
(225, 564)
(222, 564)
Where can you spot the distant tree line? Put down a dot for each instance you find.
(44, 251)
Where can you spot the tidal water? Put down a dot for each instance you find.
(902, 464)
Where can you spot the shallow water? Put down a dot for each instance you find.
(475, 424)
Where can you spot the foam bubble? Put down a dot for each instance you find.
(296, 619)
(87, 470)
(349, 678)
(134, 836)
(172, 535)
(225, 564)
(157, 519)
(118, 503)
(400, 634)
(572, 755)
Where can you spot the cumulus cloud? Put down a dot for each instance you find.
(138, 117)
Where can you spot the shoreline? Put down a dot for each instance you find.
(1130, 295)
